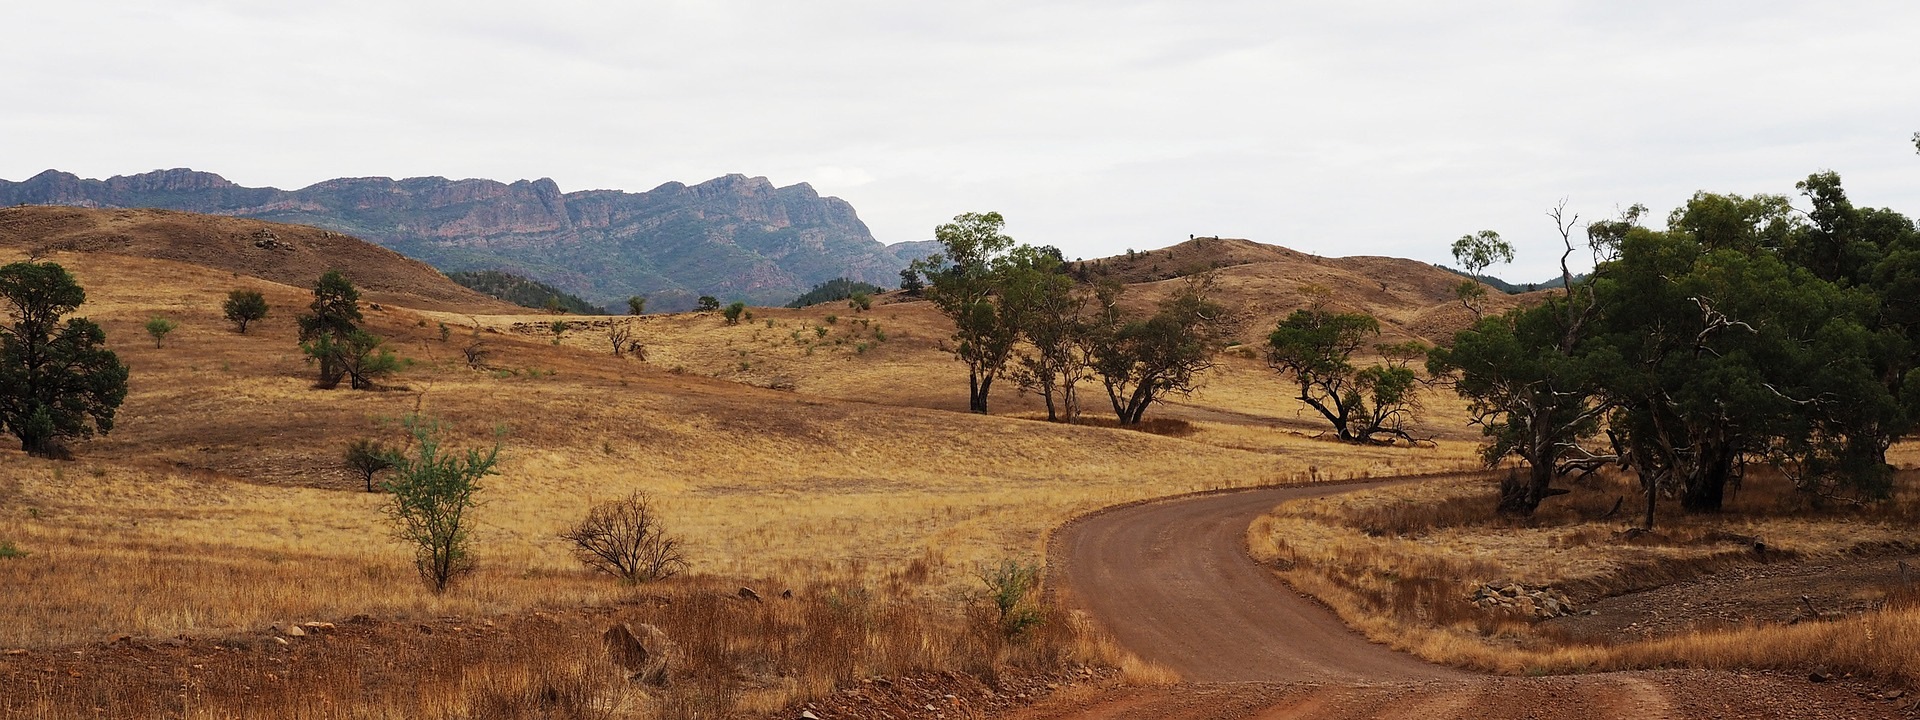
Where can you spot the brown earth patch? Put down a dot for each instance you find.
(1776, 593)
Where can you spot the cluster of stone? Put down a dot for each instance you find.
(1543, 603)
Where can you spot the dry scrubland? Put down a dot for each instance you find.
(217, 506)
(1400, 563)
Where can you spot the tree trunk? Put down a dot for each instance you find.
(1653, 495)
(1706, 490)
(977, 392)
(1522, 496)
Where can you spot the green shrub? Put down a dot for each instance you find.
(431, 491)
(1011, 586)
(9, 552)
(158, 327)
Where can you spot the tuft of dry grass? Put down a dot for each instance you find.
(731, 657)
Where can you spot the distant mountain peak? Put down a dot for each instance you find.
(735, 236)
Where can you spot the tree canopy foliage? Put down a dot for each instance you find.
(1748, 331)
(1141, 360)
(57, 380)
(243, 307)
(1019, 312)
(1314, 347)
(331, 337)
(523, 291)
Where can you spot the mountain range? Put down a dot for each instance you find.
(732, 237)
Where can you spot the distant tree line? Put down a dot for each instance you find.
(527, 292)
(835, 289)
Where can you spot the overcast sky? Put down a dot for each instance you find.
(1383, 128)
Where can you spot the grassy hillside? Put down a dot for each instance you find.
(289, 254)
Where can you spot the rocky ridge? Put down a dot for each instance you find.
(734, 237)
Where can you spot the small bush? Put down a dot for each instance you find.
(431, 491)
(1010, 587)
(9, 552)
(733, 312)
(368, 457)
(833, 319)
(158, 327)
(624, 538)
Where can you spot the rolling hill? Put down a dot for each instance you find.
(288, 254)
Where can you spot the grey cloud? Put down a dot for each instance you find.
(1375, 128)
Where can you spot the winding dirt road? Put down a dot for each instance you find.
(1171, 580)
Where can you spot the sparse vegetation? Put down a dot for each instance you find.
(243, 307)
(626, 538)
(707, 303)
(620, 337)
(881, 552)
(733, 313)
(475, 351)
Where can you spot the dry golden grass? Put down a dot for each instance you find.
(1399, 563)
(218, 504)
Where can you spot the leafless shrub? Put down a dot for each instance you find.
(476, 351)
(624, 538)
(620, 336)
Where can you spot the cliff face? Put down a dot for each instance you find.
(732, 237)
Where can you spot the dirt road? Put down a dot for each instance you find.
(1172, 581)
